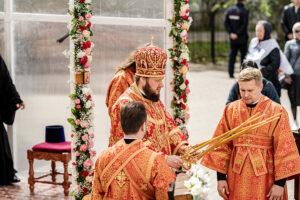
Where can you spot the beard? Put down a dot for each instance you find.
(150, 94)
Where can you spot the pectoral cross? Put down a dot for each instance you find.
(121, 177)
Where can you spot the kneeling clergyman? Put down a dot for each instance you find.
(257, 164)
(128, 169)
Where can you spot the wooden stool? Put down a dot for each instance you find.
(54, 152)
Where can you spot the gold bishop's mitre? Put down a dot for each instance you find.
(150, 62)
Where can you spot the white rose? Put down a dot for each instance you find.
(88, 104)
(183, 56)
(187, 184)
(85, 91)
(182, 86)
(185, 7)
(80, 54)
(194, 181)
(200, 173)
(86, 33)
(90, 131)
(91, 117)
(196, 190)
(89, 179)
(89, 59)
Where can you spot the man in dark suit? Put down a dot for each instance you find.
(236, 23)
(290, 15)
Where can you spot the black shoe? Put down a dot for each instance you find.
(231, 76)
(15, 179)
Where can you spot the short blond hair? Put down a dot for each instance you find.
(249, 74)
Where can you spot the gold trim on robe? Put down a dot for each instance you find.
(255, 160)
(131, 171)
(163, 135)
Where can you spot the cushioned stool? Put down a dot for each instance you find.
(54, 149)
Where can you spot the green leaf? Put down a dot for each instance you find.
(74, 112)
(82, 23)
(72, 121)
(72, 96)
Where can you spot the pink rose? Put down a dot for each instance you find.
(81, 18)
(187, 116)
(76, 153)
(84, 124)
(187, 91)
(88, 15)
(77, 122)
(87, 51)
(83, 147)
(77, 101)
(87, 163)
(91, 144)
(78, 187)
(92, 135)
(85, 137)
(79, 37)
(181, 13)
(93, 153)
(86, 66)
(179, 120)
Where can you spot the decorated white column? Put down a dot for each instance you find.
(81, 98)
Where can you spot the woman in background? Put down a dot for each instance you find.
(292, 52)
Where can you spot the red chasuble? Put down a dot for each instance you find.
(163, 135)
(118, 85)
(255, 160)
(131, 171)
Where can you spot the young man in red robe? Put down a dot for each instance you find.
(257, 164)
(128, 169)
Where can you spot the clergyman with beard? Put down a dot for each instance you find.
(163, 135)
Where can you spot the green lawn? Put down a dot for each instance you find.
(201, 52)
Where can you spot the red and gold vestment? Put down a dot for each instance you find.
(255, 160)
(163, 135)
(131, 171)
(120, 82)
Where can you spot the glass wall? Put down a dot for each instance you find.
(112, 46)
(130, 8)
(41, 6)
(41, 72)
